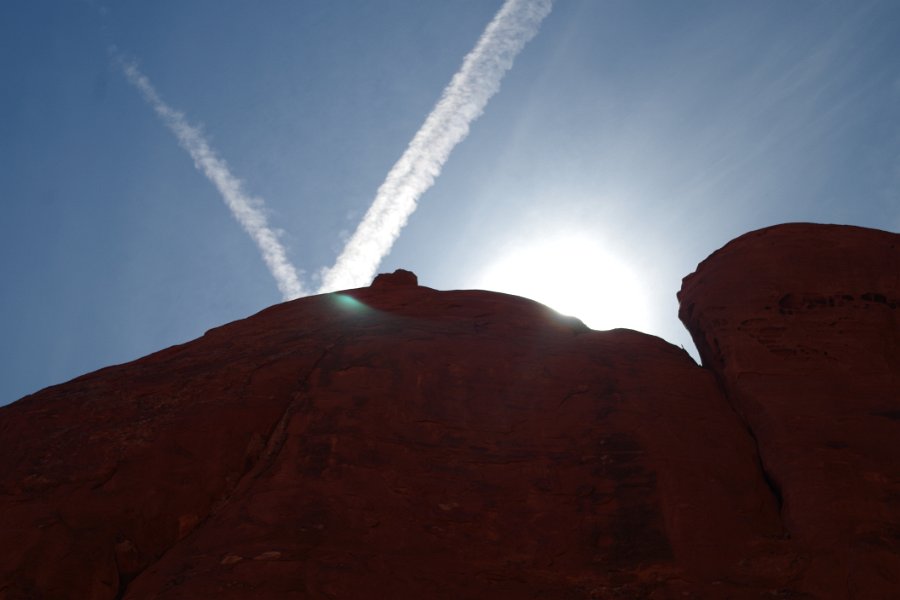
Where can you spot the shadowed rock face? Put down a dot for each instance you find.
(401, 442)
(801, 325)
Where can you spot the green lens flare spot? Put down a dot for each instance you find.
(350, 304)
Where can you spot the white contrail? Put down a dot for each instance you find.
(462, 101)
(245, 208)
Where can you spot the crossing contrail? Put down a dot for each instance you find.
(246, 209)
(462, 101)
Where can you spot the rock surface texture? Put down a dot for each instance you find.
(401, 442)
(801, 325)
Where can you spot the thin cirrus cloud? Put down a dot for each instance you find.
(247, 209)
(462, 101)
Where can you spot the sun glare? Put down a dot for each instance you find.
(574, 276)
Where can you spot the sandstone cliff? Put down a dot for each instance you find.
(800, 325)
(401, 442)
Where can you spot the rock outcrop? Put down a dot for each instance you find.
(801, 325)
(401, 442)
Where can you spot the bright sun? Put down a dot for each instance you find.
(574, 276)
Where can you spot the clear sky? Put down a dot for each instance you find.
(630, 139)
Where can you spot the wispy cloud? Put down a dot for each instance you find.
(462, 101)
(247, 209)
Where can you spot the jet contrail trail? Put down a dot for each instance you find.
(245, 208)
(462, 101)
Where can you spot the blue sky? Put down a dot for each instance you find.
(654, 130)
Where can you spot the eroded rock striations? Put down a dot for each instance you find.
(401, 442)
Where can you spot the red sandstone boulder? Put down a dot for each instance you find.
(398, 277)
(801, 324)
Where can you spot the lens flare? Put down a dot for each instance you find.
(349, 304)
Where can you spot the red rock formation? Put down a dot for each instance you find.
(400, 442)
(800, 324)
